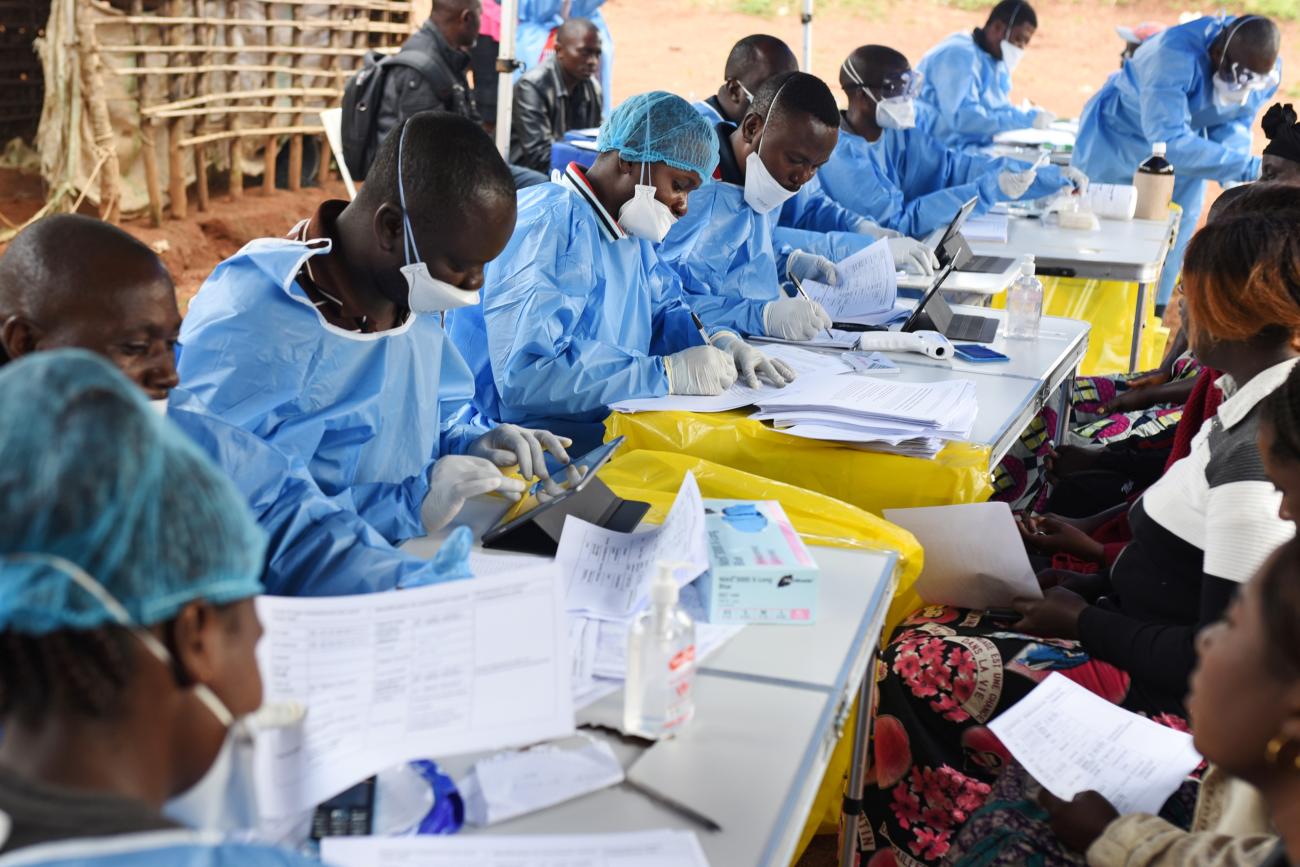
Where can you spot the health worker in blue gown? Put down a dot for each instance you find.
(1196, 87)
(888, 169)
(730, 250)
(579, 311)
(129, 566)
(968, 79)
(752, 61)
(328, 347)
(535, 38)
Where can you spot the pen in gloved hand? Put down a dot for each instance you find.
(700, 325)
(798, 285)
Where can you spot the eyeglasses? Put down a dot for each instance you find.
(892, 85)
(1239, 77)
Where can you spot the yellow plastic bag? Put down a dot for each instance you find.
(1107, 305)
(654, 477)
(866, 479)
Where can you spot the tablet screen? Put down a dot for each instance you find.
(592, 460)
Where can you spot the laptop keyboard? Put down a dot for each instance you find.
(987, 264)
(978, 329)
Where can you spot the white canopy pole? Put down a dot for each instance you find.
(807, 35)
(506, 66)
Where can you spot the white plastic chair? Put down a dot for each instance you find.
(332, 119)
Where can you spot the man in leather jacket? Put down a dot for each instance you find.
(558, 95)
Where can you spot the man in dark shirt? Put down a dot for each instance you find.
(558, 95)
(448, 36)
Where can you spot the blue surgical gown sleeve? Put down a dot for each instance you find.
(318, 545)
(728, 271)
(813, 210)
(1163, 83)
(674, 329)
(833, 245)
(461, 423)
(957, 90)
(936, 180)
(544, 343)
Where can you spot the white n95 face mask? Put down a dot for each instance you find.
(1012, 55)
(159, 406)
(1228, 96)
(428, 294)
(643, 215)
(897, 112)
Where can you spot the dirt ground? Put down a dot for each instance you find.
(680, 45)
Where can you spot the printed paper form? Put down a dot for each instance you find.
(636, 849)
(466, 666)
(1072, 741)
(609, 573)
(868, 284)
(974, 557)
(931, 404)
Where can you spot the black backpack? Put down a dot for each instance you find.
(363, 96)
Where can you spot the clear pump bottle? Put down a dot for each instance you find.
(657, 698)
(1024, 302)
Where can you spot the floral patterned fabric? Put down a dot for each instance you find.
(945, 674)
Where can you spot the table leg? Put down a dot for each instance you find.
(1065, 395)
(852, 802)
(1139, 325)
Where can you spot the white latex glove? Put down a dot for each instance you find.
(751, 364)
(1076, 177)
(456, 478)
(1015, 184)
(1043, 119)
(700, 370)
(509, 445)
(871, 230)
(913, 256)
(794, 319)
(810, 266)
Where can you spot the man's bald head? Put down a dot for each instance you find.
(755, 59)
(870, 64)
(576, 30)
(458, 21)
(1251, 41)
(69, 280)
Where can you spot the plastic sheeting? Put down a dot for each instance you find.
(1108, 306)
(654, 477)
(868, 480)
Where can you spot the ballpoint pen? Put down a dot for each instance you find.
(700, 325)
(798, 285)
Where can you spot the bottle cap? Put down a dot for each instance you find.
(1158, 149)
(1027, 266)
(664, 589)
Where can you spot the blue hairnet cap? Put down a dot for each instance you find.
(93, 478)
(660, 127)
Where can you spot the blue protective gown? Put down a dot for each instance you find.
(731, 258)
(908, 181)
(537, 18)
(171, 848)
(362, 417)
(571, 321)
(1165, 93)
(970, 92)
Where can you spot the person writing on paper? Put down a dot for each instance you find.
(1281, 159)
(730, 254)
(128, 565)
(328, 346)
(752, 61)
(556, 96)
(1128, 633)
(887, 169)
(1196, 87)
(579, 311)
(967, 79)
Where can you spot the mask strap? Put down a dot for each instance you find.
(645, 166)
(768, 117)
(1012, 23)
(852, 73)
(1236, 25)
(408, 235)
(96, 590)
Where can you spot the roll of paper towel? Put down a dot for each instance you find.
(1110, 201)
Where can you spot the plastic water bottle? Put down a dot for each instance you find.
(1024, 302)
(1154, 181)
(657, 698)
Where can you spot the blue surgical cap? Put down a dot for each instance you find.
(658, 127)
(91, 476)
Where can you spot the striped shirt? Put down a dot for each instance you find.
(1198, 533)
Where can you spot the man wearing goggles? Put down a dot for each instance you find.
(887, 166)
(1196, 87)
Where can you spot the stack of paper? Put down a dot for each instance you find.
(867, 288)
(627, 849)
(992, 228)
(905, 418)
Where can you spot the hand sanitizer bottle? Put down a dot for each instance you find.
(657, 698)
(1024, 302)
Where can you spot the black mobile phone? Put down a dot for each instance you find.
(1003, 615)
